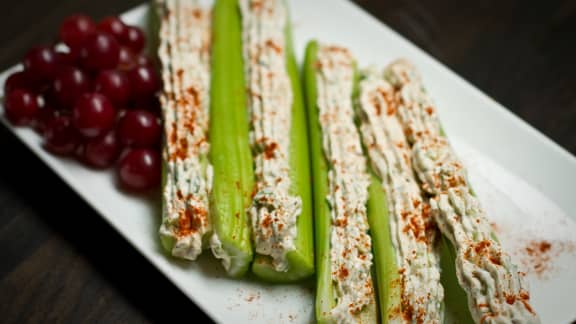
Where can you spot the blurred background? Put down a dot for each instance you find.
(58, 267)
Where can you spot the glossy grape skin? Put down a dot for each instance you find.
(139, 169)
(93, 115)
(70, 83)
(100, 51)
(114, 26)
(135, 39)
(75, 29)
(103, 151)
(127, 59)
(41, 63)
(16, 80)
(144, 82)
(60, 136)
(43, 116)
(21, 107)
(139, 128)
(115, 85)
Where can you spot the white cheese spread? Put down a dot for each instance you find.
(184, 52)
(496, 291)
(350, 244)
(413, 233)
(274, 210)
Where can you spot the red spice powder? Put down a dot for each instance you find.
(342, 272)
(482, 247)
(510, 299)
(274, 46)
(197, 13)
(267, 221)
(391, 109)
(195, 96)
(173, 134)
(377, 105)
(190, 220)
(537, 257)
(269, 150)
(341, 222)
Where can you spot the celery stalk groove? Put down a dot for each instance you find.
(230, 151)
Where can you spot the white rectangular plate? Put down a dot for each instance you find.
(525, 181)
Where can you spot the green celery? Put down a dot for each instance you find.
(325, 295)
(455, 299)
(324, 292)
(230, 151)
(387, 276)
(301, 260)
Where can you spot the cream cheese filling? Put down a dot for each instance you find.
(184, 52)
(496, 291)
(350, 244)
(274, 210)
(413, 233)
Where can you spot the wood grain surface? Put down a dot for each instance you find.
(60, 263)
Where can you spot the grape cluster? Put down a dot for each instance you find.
(93, 97)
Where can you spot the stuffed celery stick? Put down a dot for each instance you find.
(280, 212)
(344, 291)
(496, 291)
(412, 230)
(230, 149)
(184, 44)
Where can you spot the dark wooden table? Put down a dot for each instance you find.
(59, 262)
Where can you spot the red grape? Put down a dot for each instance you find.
(17, 80)
(79, 153)
(120, 114)
(127, 59)
(21, 107)
(60, 136)
(113, 26)
(67, 58)
(114, 84)
(145, 61)
(134, 39)
(139, 169)
(68, 85)
(151, 104)
(41, 63)
(100, 51)
(93, 115)
(144, 81)
(43, 117)
(103, 151)
(139, 128)
(75, 29)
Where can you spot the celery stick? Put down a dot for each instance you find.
(326, 294)
(387, 277)
(186, 174)
(301, 260)
(455, 297)
(230, 151)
